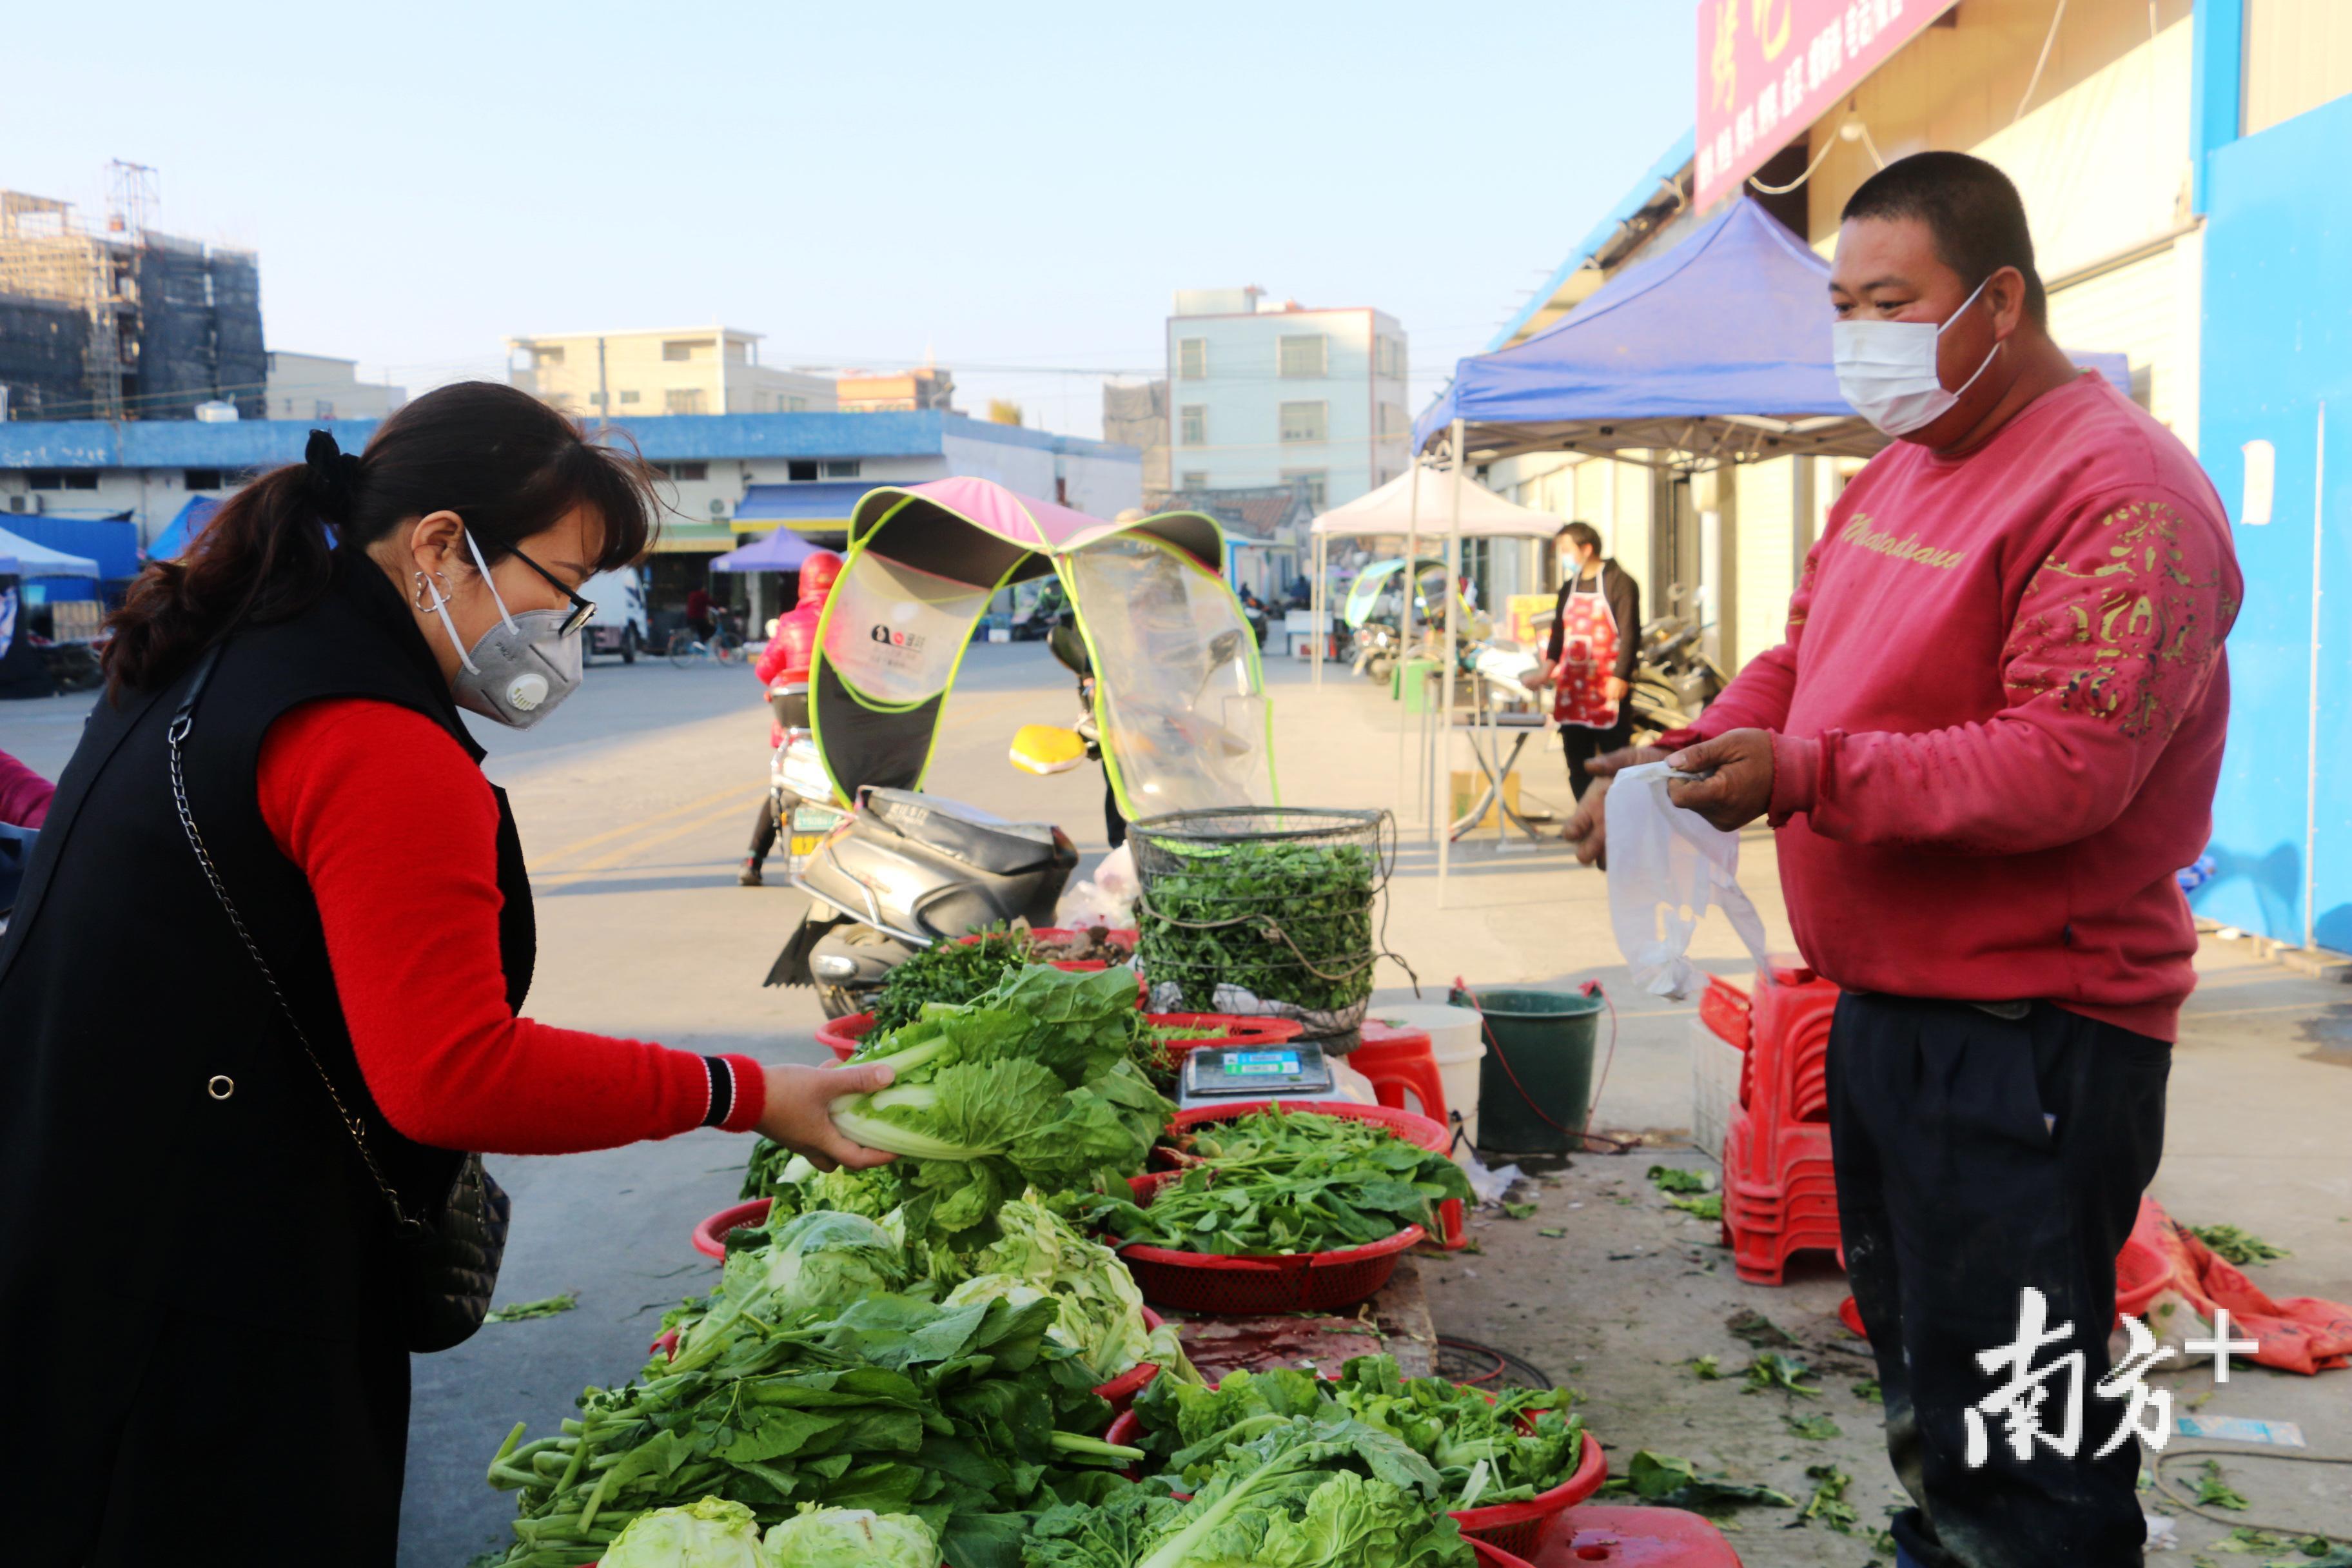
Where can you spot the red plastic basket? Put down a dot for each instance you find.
(1513, 1526)
(840, 1035)
(1220, 1029)
(1420, 1131)
(1301, 1282)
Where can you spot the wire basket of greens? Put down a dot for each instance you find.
(1302, 1208)
(1262, 911)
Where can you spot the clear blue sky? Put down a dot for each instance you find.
(1015, 187)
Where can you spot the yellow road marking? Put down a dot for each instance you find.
(629, 851)
(736, 794)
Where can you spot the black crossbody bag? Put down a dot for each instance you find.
(447, 1262)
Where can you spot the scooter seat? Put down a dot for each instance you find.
(964, 833)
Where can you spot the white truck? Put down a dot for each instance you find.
(619, 625)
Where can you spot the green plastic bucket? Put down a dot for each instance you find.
(1535, 1082)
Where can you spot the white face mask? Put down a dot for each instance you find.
(1887, 370)
(518, 669)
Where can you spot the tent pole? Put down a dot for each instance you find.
(1445, 702)
(1404, 623)
(1315, 609)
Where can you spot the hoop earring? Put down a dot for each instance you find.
(425, 596)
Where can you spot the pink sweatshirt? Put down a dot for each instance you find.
(1999, 713)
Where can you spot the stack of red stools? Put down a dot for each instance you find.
(1778, 1195)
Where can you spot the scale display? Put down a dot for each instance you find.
(1257, 1072)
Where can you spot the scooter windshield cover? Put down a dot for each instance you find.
(893, 637)
(1178, 691)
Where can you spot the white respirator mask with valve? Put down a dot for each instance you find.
(522, 667)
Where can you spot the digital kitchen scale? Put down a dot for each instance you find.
(1294, 1070)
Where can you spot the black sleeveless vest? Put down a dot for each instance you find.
(128, 1179)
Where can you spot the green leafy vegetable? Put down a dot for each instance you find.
(1100, 1310)
(1277, 1181)
(711, 1533)
(1667, 1178)
(1518, 1211)
(2213, 1491)
(1775, 1369)
(1828, 1502)
(1814, 1429)
(1758, 1330)
(1708, 1205)
(956, 1415)
(950, 972)
(1300, 1494)
(809, 1268)
(1706, 1369)
(1869, 1391)
(1283, 922)
(850, 1538)
(1674, 1482)
(1485, 1450)
(541, 1309)
(2234, 1246)
(1553, 1231)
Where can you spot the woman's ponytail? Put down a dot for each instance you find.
(507, 463)
(263, 556)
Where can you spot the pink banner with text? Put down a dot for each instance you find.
(1767, 69)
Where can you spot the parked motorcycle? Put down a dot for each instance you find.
(1675, 679)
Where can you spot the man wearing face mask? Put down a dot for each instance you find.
(1596, 634)
(1987, 744)
(264, 982)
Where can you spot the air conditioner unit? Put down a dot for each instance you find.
(15, 503)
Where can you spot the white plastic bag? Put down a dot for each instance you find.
(1666, 867)
(1106, 899)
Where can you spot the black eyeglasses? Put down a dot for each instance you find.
(583, 610)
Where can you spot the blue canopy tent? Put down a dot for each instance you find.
(182, 531)
(782, 551)
(1717, 350)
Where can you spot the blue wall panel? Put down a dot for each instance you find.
(2277, 343)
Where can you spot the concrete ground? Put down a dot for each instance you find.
(635, 801)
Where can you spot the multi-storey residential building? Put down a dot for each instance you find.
(1261, 392)
(321, 386)
(635, 375)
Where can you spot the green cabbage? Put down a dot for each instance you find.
(809, 1268)
(1100, 1310)
(712, 1534)
(851, 1538)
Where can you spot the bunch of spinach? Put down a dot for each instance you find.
(959, 1415)
(1304, 1493)
(1284, 922)
(1277, 1181)
(1485, 1450)
(952, 971)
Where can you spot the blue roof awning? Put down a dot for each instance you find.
(823, 507)
(182, 531)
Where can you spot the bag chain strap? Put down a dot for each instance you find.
(181, 723)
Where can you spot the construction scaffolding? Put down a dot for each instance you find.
(165, 324)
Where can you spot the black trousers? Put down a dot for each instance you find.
(1977, 1155)
(763, 832)
(1582, 744)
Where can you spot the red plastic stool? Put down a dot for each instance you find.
(1631, 1537)
(1398, 1060)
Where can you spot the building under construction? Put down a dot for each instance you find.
(123, 324)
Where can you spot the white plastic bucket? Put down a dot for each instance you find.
(1456, 1041)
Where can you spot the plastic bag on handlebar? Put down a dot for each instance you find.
(1667, 867)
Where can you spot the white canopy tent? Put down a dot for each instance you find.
(20, 557)
(1454, 510)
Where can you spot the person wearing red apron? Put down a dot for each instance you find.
(1595, 635)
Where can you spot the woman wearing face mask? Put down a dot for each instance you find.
(224, 1130)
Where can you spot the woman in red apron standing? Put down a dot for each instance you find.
(1596, 631)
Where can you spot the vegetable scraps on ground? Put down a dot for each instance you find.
(1299, 1493)
(1485, 1450)
(1033, 1085)
(1276, 1181)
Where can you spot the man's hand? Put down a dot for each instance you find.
(1614, 689)
(1536, 679)
(798, 1114)
(1741, 789)
(1587, 827)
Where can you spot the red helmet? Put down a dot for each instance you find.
(817, 574)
